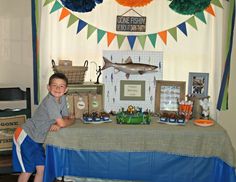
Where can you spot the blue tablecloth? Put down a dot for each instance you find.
(141, 166)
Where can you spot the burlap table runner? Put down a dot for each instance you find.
(188, 140)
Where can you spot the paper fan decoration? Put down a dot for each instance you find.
(82, 6)
(189, 7)
(133, 3)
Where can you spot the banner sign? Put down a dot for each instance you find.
(131, 23)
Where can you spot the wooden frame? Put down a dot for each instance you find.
(198, 84)
(168, 94)
(132, 90)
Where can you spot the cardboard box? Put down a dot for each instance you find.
(95, 103)
(7, 129)
(80, 105)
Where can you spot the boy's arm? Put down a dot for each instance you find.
(65, 121)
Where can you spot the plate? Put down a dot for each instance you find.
(203, 122)
(96, 122)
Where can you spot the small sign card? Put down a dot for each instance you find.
(131, 23)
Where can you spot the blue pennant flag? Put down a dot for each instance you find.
(131, 39)
(182, 27)
(81, 25)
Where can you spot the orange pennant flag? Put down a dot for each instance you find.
(163, 36)
(210, 10)
(110, 37)
(65, 12)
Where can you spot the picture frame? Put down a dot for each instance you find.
(168, 95)
(132, 90)
(198, 84)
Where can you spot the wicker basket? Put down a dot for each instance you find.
(75, 74)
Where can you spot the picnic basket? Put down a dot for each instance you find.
(75, 74)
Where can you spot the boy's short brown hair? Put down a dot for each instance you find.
(58, 76)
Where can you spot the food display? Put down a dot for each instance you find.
(172, 118)
(133, 116)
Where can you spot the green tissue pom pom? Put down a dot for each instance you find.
(189, 7)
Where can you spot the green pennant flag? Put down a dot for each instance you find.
(72, 20)
(201, 16)
(217, 3)
(100, 35)
(142, 40)
(120, 40)
(173, 32)
(90, 31)
(47, 2)
(191, 21)
(56, 7)
(153, 38)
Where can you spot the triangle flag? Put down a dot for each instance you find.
(110, 37)
(56, 7)
(100, 35)
(46, 2)
(173, 32)
(153, 38)
(90, 31)
(65, 12)
(72, 20)
(210, 10)
(142, 40)
(163, 36)
(120, 40)
(182, 27)
(81, 25)
(201, 16)
(217, 3)
(191, 21)
(131, 39)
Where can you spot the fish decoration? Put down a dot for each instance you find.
(159, 65)
(108, 93)
(111, 77)
(129, 67)
(154, 80)
(151, 98)
(115, 89)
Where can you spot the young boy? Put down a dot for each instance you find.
(51, 115)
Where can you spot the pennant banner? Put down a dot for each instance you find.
(131, 38)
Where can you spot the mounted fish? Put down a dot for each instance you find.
(129, 67)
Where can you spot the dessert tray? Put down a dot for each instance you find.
(96, 118)
(203, 122)
(171, 121)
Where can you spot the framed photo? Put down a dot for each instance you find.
(168, 95)
(198, 84)
(132, 90)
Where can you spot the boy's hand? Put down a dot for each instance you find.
(54, 127)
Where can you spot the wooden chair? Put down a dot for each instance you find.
(10, 118)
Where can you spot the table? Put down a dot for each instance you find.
(155, 152)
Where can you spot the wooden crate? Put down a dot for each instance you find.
(7, 129)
